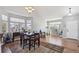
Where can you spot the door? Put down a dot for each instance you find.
(72, 29)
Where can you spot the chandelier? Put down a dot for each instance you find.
(29, 9)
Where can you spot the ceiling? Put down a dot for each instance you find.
(46, 12)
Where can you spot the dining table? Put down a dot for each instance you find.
(31, 40)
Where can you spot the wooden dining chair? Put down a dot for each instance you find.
(37, 38)
(21, 37)
(25, 40)
(32, 41)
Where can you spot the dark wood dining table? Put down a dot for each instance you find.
(31, 39)
(24, 40)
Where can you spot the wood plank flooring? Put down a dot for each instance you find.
(50, 44)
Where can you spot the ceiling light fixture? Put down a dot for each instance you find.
(29, 9)
(69, 12)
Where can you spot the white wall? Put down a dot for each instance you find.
(71, 26)
(39, 24)
(72, 29)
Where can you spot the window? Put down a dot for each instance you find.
(4, 18)
(17, 20)
(4, 23)
(22, 27)
(14, 27)
(4, 27)
(16, 24)
(28, 21)
(29, 24)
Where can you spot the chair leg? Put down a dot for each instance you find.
(38, 42)
(20, 41)
(29, 45)
(34, 45)
(23, 45)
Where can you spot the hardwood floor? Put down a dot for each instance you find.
(70, 45)
(51, 44)
(15, 47)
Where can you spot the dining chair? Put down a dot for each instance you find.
(25, 40)
(37, 38)
(21, 37)
(7, 37)
(30, 40)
